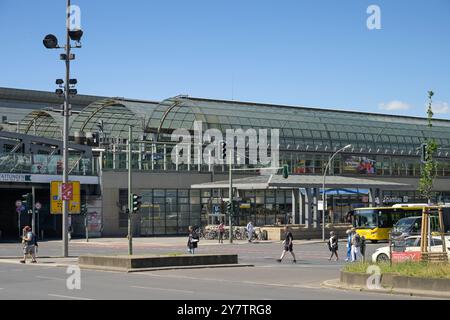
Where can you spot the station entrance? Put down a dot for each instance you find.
(12, 222)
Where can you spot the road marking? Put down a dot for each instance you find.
(281, 285)
(162, 289)
(68, 297)
(240, 282)
(294, 266)
(50, 278)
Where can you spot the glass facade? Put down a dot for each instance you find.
(172, 211)
(46, 164)
(167, 211)
(348, 164)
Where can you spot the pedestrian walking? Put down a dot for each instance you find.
(349, 245)
(193, 240)
(30, 245)
(356, 247)
(69, 232)
(221, 232)
(333, 245)
(363, 248)
(250, 231)
(288, 245)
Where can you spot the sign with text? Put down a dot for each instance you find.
(402, 257)
(58, 192)
(10, 177)
(67, 191)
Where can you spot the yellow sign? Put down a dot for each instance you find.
(245, 206)
(56, 198)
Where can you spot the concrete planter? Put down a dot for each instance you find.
(127, 263)
(394, 281)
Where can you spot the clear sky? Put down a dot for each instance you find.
(316, 53)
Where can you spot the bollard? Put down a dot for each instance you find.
(42, 235)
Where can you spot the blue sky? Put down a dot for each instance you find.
(316, 53)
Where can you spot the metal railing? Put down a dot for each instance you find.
(46, 165)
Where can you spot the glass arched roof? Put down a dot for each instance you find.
(42, 123)
(300, 128)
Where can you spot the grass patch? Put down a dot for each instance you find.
(410, 269)
(176, 254)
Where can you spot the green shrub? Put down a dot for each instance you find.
(411, 269)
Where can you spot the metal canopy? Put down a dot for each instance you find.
(297, 182)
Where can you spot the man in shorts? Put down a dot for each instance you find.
(29, 245)
(288, 245)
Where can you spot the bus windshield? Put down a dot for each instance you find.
(405, 224)
(366, 219)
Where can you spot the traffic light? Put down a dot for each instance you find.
(286, 171)
(136, 202)
(84, 209)
(424, 153)
(28, 201)
(228, 207)
(224, 151)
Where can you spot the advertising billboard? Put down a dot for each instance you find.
(359, 165)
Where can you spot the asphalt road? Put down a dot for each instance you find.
(268, 280)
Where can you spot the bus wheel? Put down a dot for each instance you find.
(382, 258)
(374, 241)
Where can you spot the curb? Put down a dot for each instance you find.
(52, 264)
(336, 284)
(112, 269)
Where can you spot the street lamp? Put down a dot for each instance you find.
(51, 42)
(324, 197)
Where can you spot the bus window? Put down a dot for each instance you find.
(384, 219)
(366, 219)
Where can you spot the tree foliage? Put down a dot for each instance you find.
(429, 168)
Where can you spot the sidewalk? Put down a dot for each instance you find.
(171, 241)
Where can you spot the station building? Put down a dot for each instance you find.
(384, 149)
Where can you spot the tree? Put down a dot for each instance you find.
(429, 168)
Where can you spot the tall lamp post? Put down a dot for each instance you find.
(324, 196)
(73, 33)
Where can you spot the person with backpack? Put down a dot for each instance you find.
(333, 245)
(356, 247)
(221, 232)
(193, 240)
(30, 245)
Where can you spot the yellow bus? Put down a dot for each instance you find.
(375, 224)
